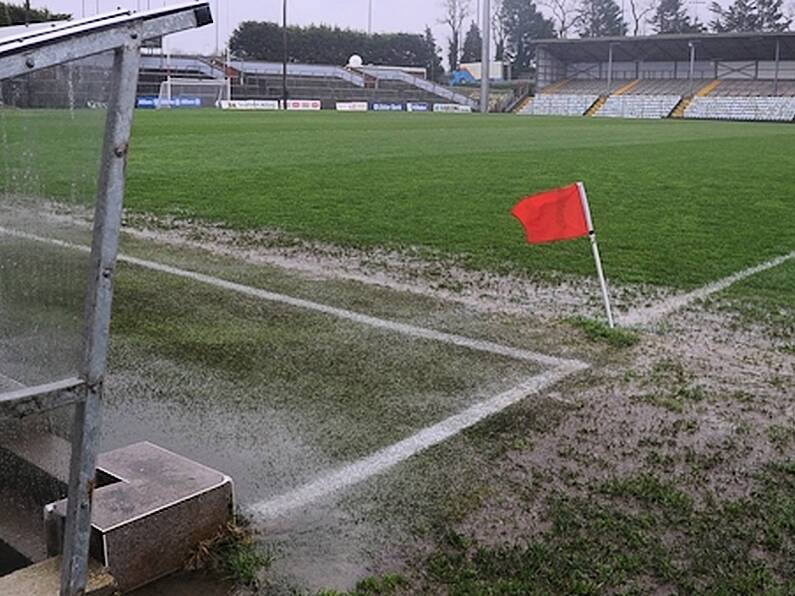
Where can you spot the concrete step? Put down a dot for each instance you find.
(21, 527)
(35, 461)
(43, 579)
(146, 525)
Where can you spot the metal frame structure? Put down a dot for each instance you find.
(559, 59)
(123, 33)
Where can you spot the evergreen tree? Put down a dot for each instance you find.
(523, 23)
(600, 18)
(771, 16)
(433, 61)
(13, 14)
(330, 45)
(742, 17)
(473, 45)
(671, 17)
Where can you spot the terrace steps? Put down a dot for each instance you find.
(554, 88)
(627, 88)
(520, 107)
(597, 105)
(679, 109)
(708, 88)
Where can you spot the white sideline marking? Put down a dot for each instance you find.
(387, 458)
(382, 460)
(11, 381)
(652, 314)
(401, 328)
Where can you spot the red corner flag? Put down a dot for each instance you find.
(562, 214)
(553, 215)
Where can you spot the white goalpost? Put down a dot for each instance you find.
(177, 92)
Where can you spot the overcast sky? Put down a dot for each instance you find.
(388, 15)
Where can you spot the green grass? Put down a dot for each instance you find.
(768, 298)
(636, 534)
(598, 331)
(675, 203)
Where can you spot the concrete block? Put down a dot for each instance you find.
(43, 579)
(146, 524)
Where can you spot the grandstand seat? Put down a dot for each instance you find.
(742, 108)
(680, 87)
(639, 106)
(759, 88)
(559, 105)
(587, 87)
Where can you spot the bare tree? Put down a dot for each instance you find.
(498, 27)
(455, 13)
(565, 14)
(639, 9)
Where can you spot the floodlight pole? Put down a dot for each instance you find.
(609, 68)
(285, 57)
(485, 58)
(370, 17)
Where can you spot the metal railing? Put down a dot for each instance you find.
(298, 70)
(420, 83)
(122, 33)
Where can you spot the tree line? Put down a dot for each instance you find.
(13, 14)
(515, 25)
(331, 45)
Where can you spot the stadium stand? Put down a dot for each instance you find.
(587, 87)
(667, 87)
(738, 76)
(328, 84)
(734, 88)
(639, 106)
(742, 108)
(559, 105)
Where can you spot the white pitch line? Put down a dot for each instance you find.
(11, 381)
(389, 457)
(652, 314)
(392, 326)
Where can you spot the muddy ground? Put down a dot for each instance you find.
(686, 423)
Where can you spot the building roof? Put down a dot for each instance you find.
(662, 48)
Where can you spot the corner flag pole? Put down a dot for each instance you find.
(597, 257)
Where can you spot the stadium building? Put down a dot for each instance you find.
(736, 76)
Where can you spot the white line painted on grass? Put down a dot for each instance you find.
(11, 381)
(653, 314)
(392, 326)
(389, 457)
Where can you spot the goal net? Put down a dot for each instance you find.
(193, 93)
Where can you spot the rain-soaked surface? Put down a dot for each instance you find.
(271, 393)
(51, 132)
(50, 143)
(277, 395)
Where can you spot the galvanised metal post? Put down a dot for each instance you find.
(485, 58)
(609, 68)
(778, 64)
(104, 248)
(123, 33)
(285, 56)
(692, 72)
